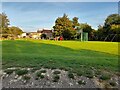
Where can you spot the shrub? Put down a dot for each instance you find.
(63, 68)
(48, 67)
(43, 71)
(81, 82)
(26, 77)
(98, 72)
(53, 68)
(9, 71)
(38, 74)
(80, 73)
(42, 76)
(89, 74)
(56, 78)
(105, 77)
(71, 75)
(56, 72)
(35, 68)
(21, 72)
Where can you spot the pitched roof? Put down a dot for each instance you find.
(45, 31)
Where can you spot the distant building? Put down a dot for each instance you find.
(37, 35)
(23, 35)
(48, 33)
(34, 35)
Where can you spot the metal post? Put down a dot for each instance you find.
(81, 35)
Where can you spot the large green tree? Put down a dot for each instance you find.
(110, 28)
(112, 19)
(64, 27)
(86, 28)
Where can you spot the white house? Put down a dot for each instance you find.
(23, 35)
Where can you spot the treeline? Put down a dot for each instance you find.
(110, 31)
(6, 30)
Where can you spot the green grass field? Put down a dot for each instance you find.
(71, 55)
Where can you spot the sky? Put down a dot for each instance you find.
(60, 0)
(31, 16)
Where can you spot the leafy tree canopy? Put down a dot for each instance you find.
(14, 30)
(112, 19)
(4, 22)
(64, 27)
(85, 27)
(75, 22)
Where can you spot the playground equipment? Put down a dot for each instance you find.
(84, 35)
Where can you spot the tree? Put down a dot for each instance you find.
(64, 27)
(100, 33)
(14, 31)
(75, 22)
(115, 29)
(86, 28)
(4, 22)
(112, 19)
(110, 28)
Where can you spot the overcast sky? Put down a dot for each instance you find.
(30, 16)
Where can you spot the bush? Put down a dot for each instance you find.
(9, 71)
(71, 75)
(63, 68)
(43, 71)
(56, 78)
(80, 73)
(105, 77)
(98, 72)
(38, 74)
(35, 68)
(21, 72)
(53, 67)
(48, 67)
(42, 76)
(81, 82)
(56, 72)
(26, 78)
(89, 74)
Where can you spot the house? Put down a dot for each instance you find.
(34, 35)
(23, 35)
(38, 34)
(47, 32)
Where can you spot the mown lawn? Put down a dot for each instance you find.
(69, 55)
